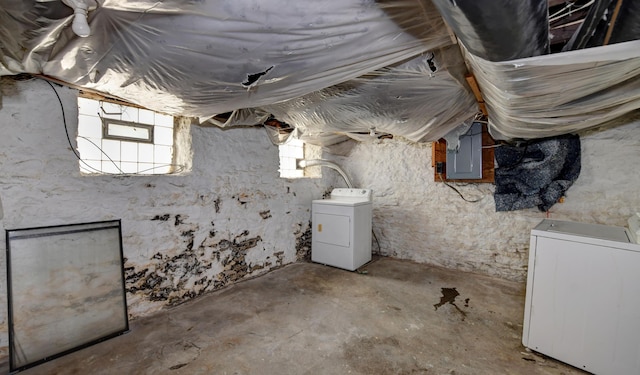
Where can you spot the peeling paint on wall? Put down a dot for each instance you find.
(164, 217)
(303, 243)
(265, 214)
(327, 193)
(178, 220)
(212, 232)
(173, 279)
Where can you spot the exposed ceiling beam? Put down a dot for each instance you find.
(612, 23)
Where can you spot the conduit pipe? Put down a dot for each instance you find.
(328, 164)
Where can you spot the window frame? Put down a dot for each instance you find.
(105, 131)
(94, 165)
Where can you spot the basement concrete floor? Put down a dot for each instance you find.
(391, 318)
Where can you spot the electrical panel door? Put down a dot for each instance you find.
(465, 162)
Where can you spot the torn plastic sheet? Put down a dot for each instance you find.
(418, 99)
(561, 93)
(240, 117)
(202, 58)
(279, 136)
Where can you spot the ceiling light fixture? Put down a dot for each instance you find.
(80, 26)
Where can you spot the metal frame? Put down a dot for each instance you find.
(107, 121)
(14, 234)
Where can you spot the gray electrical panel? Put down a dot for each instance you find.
(465, 161)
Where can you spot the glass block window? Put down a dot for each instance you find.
(121, 139)
(290, 153)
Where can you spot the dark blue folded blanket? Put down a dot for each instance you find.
(536, 173)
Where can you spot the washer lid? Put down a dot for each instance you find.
(598, 231)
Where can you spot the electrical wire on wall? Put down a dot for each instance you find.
(458, 191)
(66, 130)
(377, 242)
(481, 118)
(178, 168)
(98, 147)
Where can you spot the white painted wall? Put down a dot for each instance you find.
(230, 218)
(416, 218)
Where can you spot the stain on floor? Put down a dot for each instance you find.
(449, 296)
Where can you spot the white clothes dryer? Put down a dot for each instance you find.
(341, 235)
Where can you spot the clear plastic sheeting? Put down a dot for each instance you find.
(453, 137)
(239, 117)
(562, 93)
(202, 58)
(418, 99)
(279, 136)
(334, 69)
(29, 33)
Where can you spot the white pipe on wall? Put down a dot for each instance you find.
(326, 163)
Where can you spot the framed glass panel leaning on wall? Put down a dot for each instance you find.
(66, 290)
(119, 139)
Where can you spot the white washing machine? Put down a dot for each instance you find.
(341, 235)
(583, 296)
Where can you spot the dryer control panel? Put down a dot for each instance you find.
(351, 194)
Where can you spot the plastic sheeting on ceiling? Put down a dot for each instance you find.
(209, 57)
(418, 99)
(561, 93)
(331, 69)
(531, 94)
